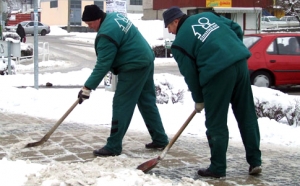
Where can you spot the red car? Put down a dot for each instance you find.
(275, 59)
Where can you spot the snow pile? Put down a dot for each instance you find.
(109, 171)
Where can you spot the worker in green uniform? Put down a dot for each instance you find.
(213, 60)
(121, 49)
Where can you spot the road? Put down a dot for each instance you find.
(80, 54)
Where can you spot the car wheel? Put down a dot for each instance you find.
(43, 32)
(261, 79)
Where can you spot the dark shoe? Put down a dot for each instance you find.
(255, 170)
(206, 173)
(154, 146)
(103, 152)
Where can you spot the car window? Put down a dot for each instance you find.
(289, 18)
(292, 19)
(249, 41)
(270, 18)
(40, 24)
(31, 23)
(274, 19)
(272, 49)
(285, 46)
(292, 47)
(23, 23)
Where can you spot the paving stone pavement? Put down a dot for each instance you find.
(74, 142)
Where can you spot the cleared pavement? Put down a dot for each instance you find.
(74, 142)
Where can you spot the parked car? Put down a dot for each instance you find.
(291, 21)
(43, 29)
(275, 59)
(271, 22)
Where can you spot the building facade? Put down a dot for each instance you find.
(55, 12)
(158, 4)
(247, 13)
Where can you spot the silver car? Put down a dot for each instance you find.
(28, 26)
(271, 22)
(291, 21)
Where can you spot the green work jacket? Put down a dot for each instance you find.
(206, 44)
(119, 47)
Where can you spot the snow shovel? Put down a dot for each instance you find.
(148, 165)
(47, 136)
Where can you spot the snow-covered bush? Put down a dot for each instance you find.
(12, 35)
(263, 109)
(277, 105)
(293, 114)
(159, 51)
(4, 66)
(269, 103)
(165, 92)
(26, 50)
(161, 94)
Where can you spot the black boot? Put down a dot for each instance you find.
(103, 152)
(207, 173)
(155, 146)
(255, 170)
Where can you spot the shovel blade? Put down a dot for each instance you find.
(37, 143)
(148, 165)
(34, 144)
(47, 136)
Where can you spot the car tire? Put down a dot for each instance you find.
(43, 32)
(261, 79)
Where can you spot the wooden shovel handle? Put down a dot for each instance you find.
(177, 135)
(47, 136)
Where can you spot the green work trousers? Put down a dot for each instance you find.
(231, 85)
(135, 87)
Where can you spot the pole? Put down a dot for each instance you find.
(69, 15)
(1, 22)
(35, 51)
(9, 57)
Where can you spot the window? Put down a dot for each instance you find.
(249, 41)
(272, 49)
(53, 4)
(136, 2)
(285, 46)
(292, 46)
(99, 4)
(75, 4)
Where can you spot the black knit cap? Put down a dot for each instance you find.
(92, 13)
(171, 14)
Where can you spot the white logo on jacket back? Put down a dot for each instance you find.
(123, 22)
(206, 25)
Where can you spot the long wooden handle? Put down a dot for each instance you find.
(61, 120)
(163, 154)
(47, 136)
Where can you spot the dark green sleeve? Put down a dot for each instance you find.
(188, 69)
(235, 27)
(106, 52)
